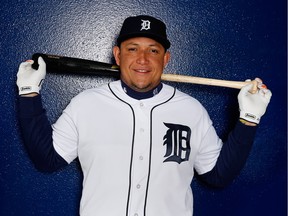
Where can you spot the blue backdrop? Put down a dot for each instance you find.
(232, 40)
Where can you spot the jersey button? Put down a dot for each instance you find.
(141, 104)
(138, 186)
(141, 157)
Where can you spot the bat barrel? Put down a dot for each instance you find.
(69, 65)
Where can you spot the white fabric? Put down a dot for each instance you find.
(30, 80)
(253, 105)
(121, 146)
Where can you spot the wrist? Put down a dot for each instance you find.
(245, 122)
(29, 89)
(249, 117)
(29, 94)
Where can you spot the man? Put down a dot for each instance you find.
(138, 140)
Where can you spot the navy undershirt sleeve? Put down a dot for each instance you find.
(232, 157)
(37, 135)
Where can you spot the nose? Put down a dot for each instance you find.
(142, 58)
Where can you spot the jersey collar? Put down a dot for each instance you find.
(141, 95)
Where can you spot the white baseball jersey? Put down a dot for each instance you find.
(138, 156)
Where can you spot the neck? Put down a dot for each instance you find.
(141, 95)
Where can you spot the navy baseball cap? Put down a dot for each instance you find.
(144, 26)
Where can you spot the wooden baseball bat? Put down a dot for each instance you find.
(70, 65)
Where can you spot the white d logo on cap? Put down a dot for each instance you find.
(145, 25)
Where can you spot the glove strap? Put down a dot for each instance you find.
(249, 117)
(28, 89)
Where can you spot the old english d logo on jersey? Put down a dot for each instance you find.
(177, 142)
(145, 25)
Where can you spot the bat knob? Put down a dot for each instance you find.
(35, 57)
(254, 88)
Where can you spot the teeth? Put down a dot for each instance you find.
(142, 71)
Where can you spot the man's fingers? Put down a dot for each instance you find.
(24, 66)
(266, 93)
(257, 85)
(41, 63)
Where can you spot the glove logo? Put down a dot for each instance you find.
(250, 116)
(26, 88)
(177, 141)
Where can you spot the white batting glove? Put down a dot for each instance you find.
(30, 80)
(253, 105)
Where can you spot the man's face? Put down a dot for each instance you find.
(141, 62)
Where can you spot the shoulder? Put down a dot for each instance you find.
(182, 97)
(187, 104)
(97, 92)
(184, 109)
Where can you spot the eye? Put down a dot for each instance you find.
(132, 49)
(156, 51)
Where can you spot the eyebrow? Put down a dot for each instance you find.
(137, 44)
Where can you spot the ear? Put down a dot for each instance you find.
(166, 58)
(116, 53)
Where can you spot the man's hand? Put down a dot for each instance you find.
(253, 105)
(29, 80)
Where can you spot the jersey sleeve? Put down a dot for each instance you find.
(65, 135)
(210, 146)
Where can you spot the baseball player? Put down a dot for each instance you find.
(139, 141)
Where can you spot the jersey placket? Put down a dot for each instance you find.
(140, 162)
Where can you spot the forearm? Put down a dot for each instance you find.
(37, 134)
(232, 157)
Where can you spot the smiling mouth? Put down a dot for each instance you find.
(142, 70)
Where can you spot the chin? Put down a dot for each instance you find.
(142, 87)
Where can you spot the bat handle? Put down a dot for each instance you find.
(211, 82)
(203, 81)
